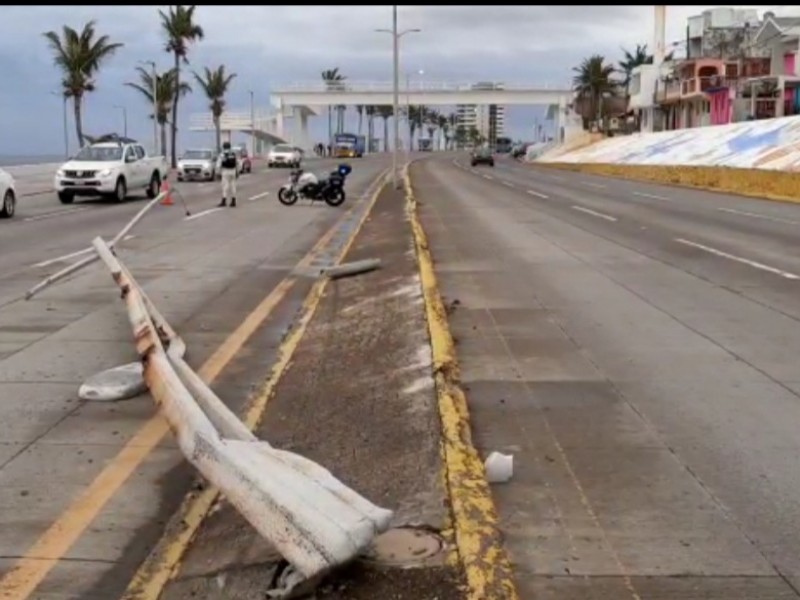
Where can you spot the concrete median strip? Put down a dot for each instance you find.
(478, 539)
(311, 518)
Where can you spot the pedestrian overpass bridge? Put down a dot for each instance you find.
(266, 126)
(428, 93)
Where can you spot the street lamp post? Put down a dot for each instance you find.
(396, 87)
(252, 124)
(124, 118)
(64, 119)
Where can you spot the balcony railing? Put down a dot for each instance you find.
(675, 89)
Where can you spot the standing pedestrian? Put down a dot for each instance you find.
(229, 172)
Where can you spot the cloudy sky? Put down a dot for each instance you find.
(266, 46)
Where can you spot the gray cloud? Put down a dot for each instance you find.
(278, 44)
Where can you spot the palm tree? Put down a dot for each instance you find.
(593, 79)
(79, 56)
(452, 120)
(632, 60)
(461, 135)
(165, 89)
(385, 112)
(181, 30)
(215, 85)
(333, 81)
(432, 122)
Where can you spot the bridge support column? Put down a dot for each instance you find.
(302, 121)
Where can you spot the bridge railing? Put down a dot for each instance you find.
(413, 86)
(264, 121)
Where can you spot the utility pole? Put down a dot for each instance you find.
(396, 89)
(252, 124)
(124, 118)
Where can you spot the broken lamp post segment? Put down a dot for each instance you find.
(311, 518)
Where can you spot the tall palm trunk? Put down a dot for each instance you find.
(163, 127)
(360, 121)
(76, 105)
(217, 132)
(385, 134)
(174, 127)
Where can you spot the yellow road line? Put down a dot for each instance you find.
(30, 570)
(477, 537)
(155, 573)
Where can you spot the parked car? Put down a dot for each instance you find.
(482, 156)
(197, 164)
(8, 195)
(283, 155)
(112, 167)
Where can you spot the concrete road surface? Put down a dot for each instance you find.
(85, 488)
(634, 347)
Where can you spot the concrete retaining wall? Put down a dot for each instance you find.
(767, 144)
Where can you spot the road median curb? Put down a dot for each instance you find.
(766, 184)
(477, 537)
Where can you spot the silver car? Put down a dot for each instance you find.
(8, 195)
(197, 164)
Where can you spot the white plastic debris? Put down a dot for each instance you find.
(499, 467)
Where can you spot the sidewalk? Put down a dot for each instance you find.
(358, 398)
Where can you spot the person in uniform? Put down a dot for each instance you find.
(229, 173)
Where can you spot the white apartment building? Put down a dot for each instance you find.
(489, 119)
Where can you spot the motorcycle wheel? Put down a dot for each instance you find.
(335, 198)
(287, 197)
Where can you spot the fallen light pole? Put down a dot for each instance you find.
(311, 518)
(75, 267)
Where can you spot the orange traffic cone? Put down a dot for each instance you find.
(167, 201)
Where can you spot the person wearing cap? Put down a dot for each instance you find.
(229, 166)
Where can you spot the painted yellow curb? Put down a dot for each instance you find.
(781, 186)
(477, 536)
(162, 564)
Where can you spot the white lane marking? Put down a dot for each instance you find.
(58, 213)
(487, 176)
(589, 211)
(593, 184)
(474, 171)
(744, 261)
(652, 196)
(257, 196)
(744, 213)
(202, 214)
(508, 184)
(537, 194)
(66, 257)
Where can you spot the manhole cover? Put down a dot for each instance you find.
(404, 547)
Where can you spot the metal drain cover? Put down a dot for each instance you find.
(404, 547)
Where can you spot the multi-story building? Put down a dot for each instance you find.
(487, 119)
(777, 92)
(708, 87)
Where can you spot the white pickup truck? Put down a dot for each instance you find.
(113, 169)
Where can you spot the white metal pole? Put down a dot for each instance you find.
(395, 95)
(252, 124)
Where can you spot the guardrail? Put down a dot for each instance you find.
(238, 120)
(311, 518)
(413, 86)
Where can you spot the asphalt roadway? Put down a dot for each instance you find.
(634, 346)
(85, 488)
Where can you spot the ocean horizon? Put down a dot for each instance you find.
(10, 160)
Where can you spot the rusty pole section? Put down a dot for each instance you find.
(309, 516)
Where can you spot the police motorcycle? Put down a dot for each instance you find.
(329, 189)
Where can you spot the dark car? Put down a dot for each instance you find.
(482, 156)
